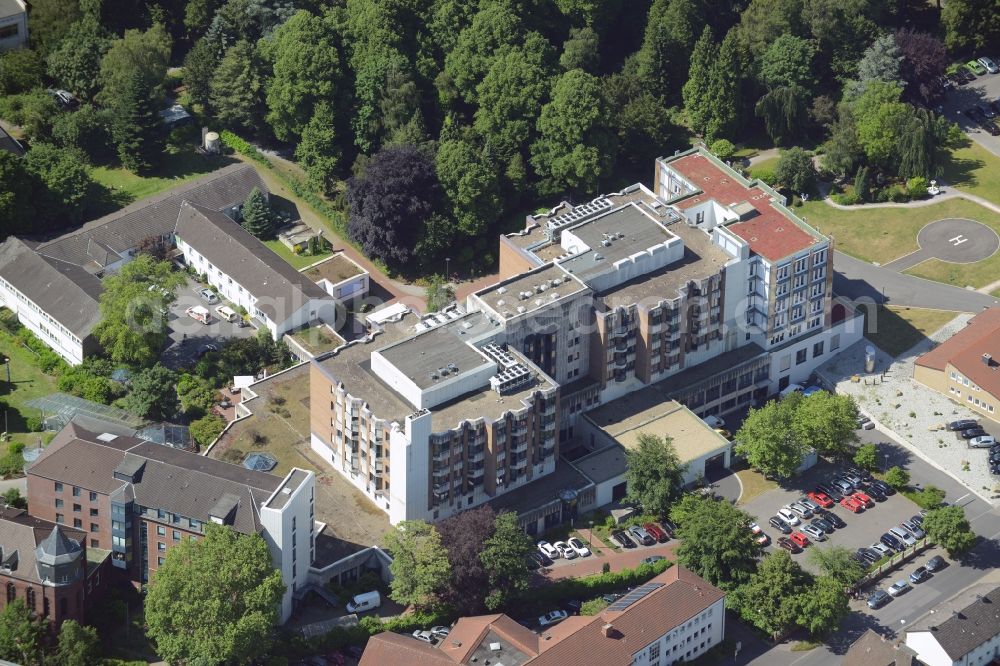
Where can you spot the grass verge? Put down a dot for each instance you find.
(298, 261)
(805, 646)
(27, 382)
(754, 484)
(973, 169)
(896, 329)
(178, 165)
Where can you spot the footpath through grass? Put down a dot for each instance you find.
(896, 329)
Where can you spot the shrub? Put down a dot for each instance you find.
(897, 477)
(846, 199)
(763, 173)
(33, 423)
(593, 607)
(205, 430)
(917, 187)
(898, 193)
(723, 149)
(12, 462)
(234, 456)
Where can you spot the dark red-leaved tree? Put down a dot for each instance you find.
(390, 204)
(924, 60)
(463, 536)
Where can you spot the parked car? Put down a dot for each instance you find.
(966, 74)
(833, 519)
(809, 390)
(962, 424)
(572, 606)
(540, 560)
(822, 524)
(851, 505)
(829, 491)
(816, 533)
(882, 549)
(919, 575)
(902, 535)
(789, 545)
(779, 524)
(652, 558)
(898, 588)
(956, 79)
(425, 636)
(821, 498)
(884, 487)
(850, 477)
(790, 389)
(891, 541)
(990, 127)
(862, 420)
(863, 473)
(800, 539)
(656, 532)
(552, 617)
(759, 536)
(844, 486)
(986, 110)
(982, 442)
(564, 550)
(788, 516)
(800, 510)
(611, 597)
(918, 519)
(868, 555)
(641, 536)
(875, 493)
(669, 526)
(578, 547)
(440, 631)
(622, 540)
(809, 504)
(913, 528)
(199, 313)
(863, 499)
(208, 295)
(972, 433)
(878, 598)
(936, 563)
(548, 550)
(974, 67)
(988, 65)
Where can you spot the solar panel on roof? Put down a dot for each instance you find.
(634, 596)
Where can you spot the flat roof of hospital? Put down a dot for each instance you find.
(771, 233)
(557, 284)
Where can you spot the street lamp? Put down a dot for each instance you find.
(447, 269)
(886, 468)
(590, 535)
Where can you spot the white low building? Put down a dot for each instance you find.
(13, 24)
(248, 273)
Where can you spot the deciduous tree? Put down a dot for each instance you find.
(505, 561)
(64, 175)
(420, 567)
(838, 563)
(390, 205)
(897, 477)
(77, 645)
(76, 61)
(152, 394)
(215, 599)
(970, 24)
(205, 430)
(463, 536)
(654, 474)
(767, 600)
(768, 440)
(822, 606)
(142, 54)
(825, 421)
(795, 171)
(948, 527)
(495, 26)
(470, 183)
(716, 541)
(923, 60)
(20, 71)
(21, 633)
(575, 146)
(17, 200)
(866, 456)
(581, 50)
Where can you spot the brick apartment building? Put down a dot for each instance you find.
(138, 499)
(49, 567)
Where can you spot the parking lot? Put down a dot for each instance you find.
(187, 337)
(985, 88)
(862, 529)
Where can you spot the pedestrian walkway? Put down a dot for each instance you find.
(951, 194)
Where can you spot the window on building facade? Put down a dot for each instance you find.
(93, 512)
(59, 487)
(59, 503)
(161, 546)
(800, 357)
(76, 491)
(93, 496)
(60, 518)
(654, 651)
(818, 349)
(161, 530)
(77, 523)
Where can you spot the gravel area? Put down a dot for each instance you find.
(910, 412)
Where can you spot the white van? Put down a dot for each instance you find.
(791, 388)
(226, 313)
(714, 421)
(365, 601)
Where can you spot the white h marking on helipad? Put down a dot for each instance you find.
(958, 240)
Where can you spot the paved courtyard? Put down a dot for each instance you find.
(912, 413)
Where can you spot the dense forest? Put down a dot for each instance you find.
(436, 123)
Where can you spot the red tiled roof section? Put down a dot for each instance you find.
(965, 350)
(682, 596)
(469, 633)
(770, 234)
(388, 648)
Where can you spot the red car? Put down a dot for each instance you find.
(789, 545)
(863, 499)
(799, 539)
(821, 498)
(852, 504)
(656, 532)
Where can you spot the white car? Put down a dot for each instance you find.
(578, 547)
(990, 66)
(788, 516)
(440, 631)
(552, 617)
(800, 510)
(425, 636)
(548, 550)
(898, 588)
(758, 534)
(565, 550)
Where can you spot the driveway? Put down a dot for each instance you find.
(858, 280)
(985, 88)
(187, 336)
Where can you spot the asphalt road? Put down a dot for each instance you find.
(892, 618)
(985, 88)
(859, 280)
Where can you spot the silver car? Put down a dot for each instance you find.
(913, 528)
(903, 536)
(812, 506)
(816, 533)
(801, 510)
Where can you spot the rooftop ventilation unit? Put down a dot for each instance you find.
(598, 256)
(501, 290)
(521, 309)
(452, 368)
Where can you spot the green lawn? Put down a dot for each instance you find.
(897, 329)
(299, 261)
(973, 169)
(27, 382)
(178, 165)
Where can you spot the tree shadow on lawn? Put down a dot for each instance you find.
(957, 171)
